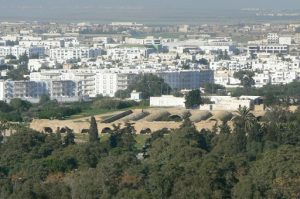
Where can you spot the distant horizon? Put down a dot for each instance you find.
(223, 16)
(145, 11)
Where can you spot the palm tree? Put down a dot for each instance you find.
(245, 119)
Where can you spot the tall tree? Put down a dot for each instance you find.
(244, 123)
(123, 138)
(69, 139)
(246, 78)
(93, 131)
(193, 99)
(150, 85)
(245, 119)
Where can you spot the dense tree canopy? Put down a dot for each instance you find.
(246, 160)
(212, 88)
(149, 85)
(274, 94)
(18, 110)
(246, 78)
(193, 99)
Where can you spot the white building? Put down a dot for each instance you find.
(167, 101)
(2, 90)
(270, 48)
(62, 91)
(273, 38)
(128, 53)
(20, 50)
(107, 83)
(74, 53)
(136, 96)
(89, 82)
(285, 40)
(226, 103)
(25, 90)
(37, 64)
(59, 42)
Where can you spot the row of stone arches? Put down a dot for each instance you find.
(60, 130)
(105, 130)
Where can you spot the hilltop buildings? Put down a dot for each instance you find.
(74, 61)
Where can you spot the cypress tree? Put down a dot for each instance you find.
(93, 131)
(69, 139)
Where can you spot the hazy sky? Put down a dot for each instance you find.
(68, 4)
(127, 9)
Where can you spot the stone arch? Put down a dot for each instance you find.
(63, 130)
(259, 118)
(106, 130)
(84, 131)
(213, 120)
(48, 130)
(146, 131)
(175, 117)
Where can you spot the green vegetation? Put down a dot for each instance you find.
(222, 55)
(212, 88)
(93, 131)
(193, 99)
(148, 84)
(22, 111)
(246, 78)
(22, 67)
(274, 94)
(251, 159)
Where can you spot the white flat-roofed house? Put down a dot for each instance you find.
(2, 90)
(262, 79)
(226, 103)
(127, 53)
(285, 40)
(37, 64)
(167, 101)
(136, 96)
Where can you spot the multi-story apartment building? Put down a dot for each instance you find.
(62, 90)
(128, 53)
(107, 84)
(20, 50)
(86, 83)
(74, 53)
(71, 85)
(271, 48)
(59, 42)
(273, 38)
(90, 82)
(26, 90)
(46, 43)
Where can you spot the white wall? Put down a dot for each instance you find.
(2, 90)
(167, 101)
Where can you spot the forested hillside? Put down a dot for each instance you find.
(255, 159)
